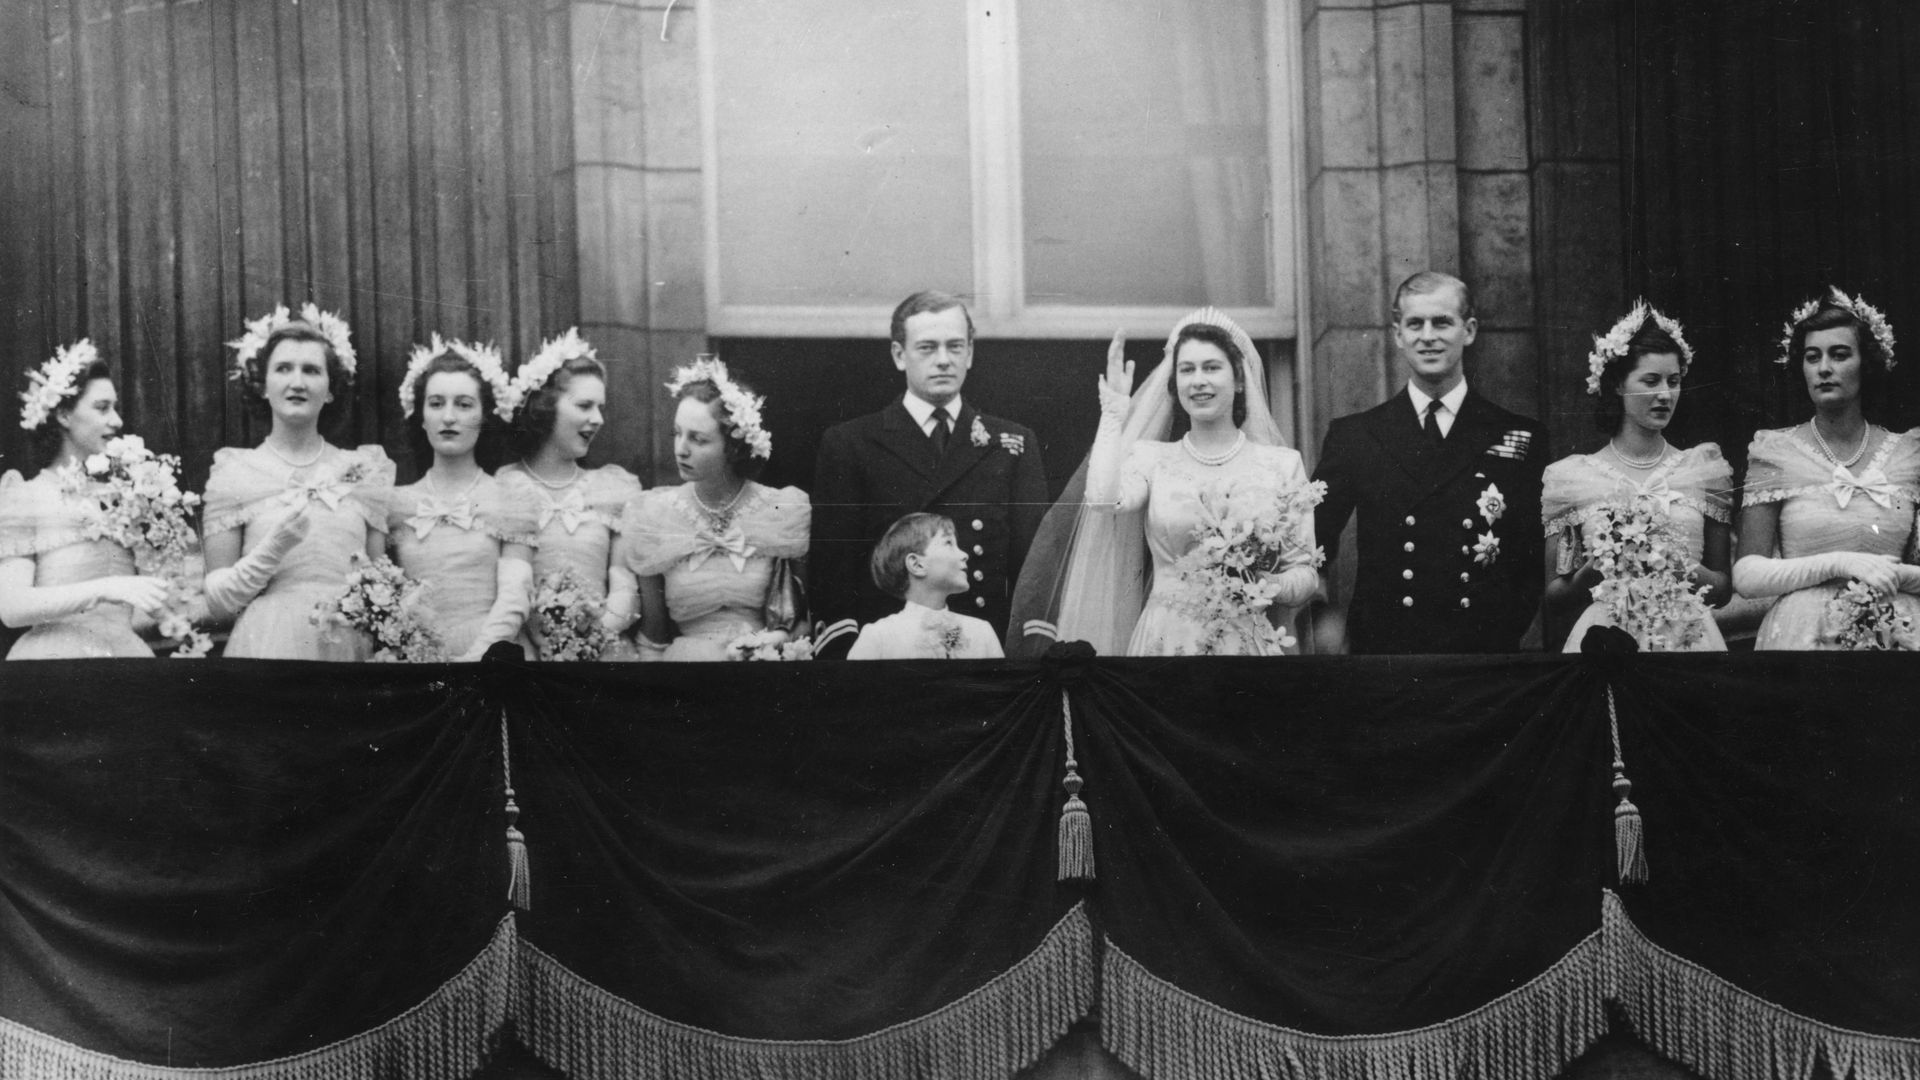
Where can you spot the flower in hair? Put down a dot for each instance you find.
(330, 326)
(1617, 340)
(1857, 306)
(534, 373)
(55, 381)
(484, 358)
(743, 408)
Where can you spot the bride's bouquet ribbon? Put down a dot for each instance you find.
(570, 508)
(1873, 483)
(433, 512)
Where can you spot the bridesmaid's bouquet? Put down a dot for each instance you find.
(139, 501)
(1864, 621)
(769, 645)
(1247, 534)
(381, 600)
(1645, 569)
(566, 618)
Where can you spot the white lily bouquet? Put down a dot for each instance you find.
(566, 618)
(1247, 534)
(140, 504)
(1861, 620)
(769, 645)
(383, 601)
(1645, 568)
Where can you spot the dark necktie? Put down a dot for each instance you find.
(1432, 425)
(942, 427)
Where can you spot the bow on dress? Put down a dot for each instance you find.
(432, 512)
(1873, 483)
(328, 492)
(731, 542)
(570, 508)
(1658, 491)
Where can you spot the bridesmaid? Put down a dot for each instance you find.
(78, 595)
(1831, 499)
(285, 517)
(457, 529)
(561, 399)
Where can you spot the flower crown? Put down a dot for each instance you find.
(54, 381)
(1616, 341)
(534, 373)
(1876, 323)
(330, 326)
(484, 358)
(743, 408)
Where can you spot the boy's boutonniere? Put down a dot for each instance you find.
(979, 433)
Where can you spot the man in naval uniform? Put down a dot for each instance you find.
(927, 451)
(1447, 486)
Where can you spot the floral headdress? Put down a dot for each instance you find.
(484, 358)
(330, 326)
(52, 382)
(1876, 323)
(534, 373)
(1617, 340)
(743, 408)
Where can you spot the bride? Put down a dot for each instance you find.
(1177, 499)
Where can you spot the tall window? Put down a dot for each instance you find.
(1072, 165)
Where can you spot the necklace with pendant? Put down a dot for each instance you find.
(718, 517)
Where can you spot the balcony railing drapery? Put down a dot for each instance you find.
(1329, 867)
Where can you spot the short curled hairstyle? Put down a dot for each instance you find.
(47, 438)
(908, 536)
(1217, 336)
(488, 451)
(1608, 410)
(1875, 390)
(922, 303)
(739, 455)
(339, 379)
(533, 420)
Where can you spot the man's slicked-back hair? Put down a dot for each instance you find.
(1432, 281)
(922, 303)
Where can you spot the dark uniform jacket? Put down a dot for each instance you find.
(1427, 579)
(876, 469)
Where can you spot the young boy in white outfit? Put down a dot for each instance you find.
(919, 561)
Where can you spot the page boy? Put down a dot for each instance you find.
(919, 561)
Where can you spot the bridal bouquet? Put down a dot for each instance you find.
(189, 641)
(769, 645)
(381, 600)
(1247, 534)
(1860, 619)
(1644, 569)
(141, 506)
(566, 618)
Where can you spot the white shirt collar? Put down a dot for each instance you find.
(1449, 402)
(922, 410)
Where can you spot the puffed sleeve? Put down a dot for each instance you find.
(610, 492)
(512, 514)
(228, 496)
(1716, 496)
(16, 517)
(781, 530)
(1768, 479)
(652, 535)
(374, 490)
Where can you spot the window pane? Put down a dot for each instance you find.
(843, 143)
(1144, 151)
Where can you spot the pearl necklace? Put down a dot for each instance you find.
(290, 463)
(1639, 463)
(721, 516)
(549, 484)
(1221, 458)
(1866, 437)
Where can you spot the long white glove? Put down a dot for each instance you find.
(1759, 575)
(1103, 462)
(512, 600)
(26, 604)
(623, 600)
(231, 588)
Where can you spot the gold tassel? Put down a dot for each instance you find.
(1629, 840)
(519, 874)
(1076, 824)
